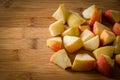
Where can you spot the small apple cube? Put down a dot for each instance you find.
(56, 28)
(86, 35)
(117, 58)
(55, 43)
(83, 27)
(116, 44)
(61, 59)
(74, 20)
(116, 28)
(92, 43)
(105, 65)
(61, 13)
(98, 28)
(106, 50)
(72, 31)
(112, 16)
(83, 62)
(107, 37)
(72, 43)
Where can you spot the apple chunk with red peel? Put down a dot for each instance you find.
(83, 62)
(98, 28)
(61, 59)
(117, 58)
(86, 35)
(72, 43)
(106, 50)
(92, 43)
(56, 28)
(55, 43)
(107, 37)
(116, 28)
(83, 27)
(72, 31)
(74, 20)
(112, 16)
(61, 13)
(116, 44)
(105, 65)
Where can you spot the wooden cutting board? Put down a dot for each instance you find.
(23, 34)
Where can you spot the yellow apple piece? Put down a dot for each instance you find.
(116, 44)
(72, 31)
(55, 43)
(83, 27)
(86, 35)
(98, 28)
(107, 37)
(61, 13)
(105, 65)
(106, 50)
(74, 20)
(117, 58)
(72, 43)
(56, 28)
(92, 43)
(83, 62)
(61, 59)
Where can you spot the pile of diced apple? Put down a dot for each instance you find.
(85, 32)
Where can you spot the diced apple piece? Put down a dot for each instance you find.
(112, 16)
(117, 58)
(83, 62)
(116, 28)
(105, 65)
(117, 45)
(61, 13)
(83, 27)
(72, 31)
(98, 28)
(56, 28)
(106, 50)
(92, 43)
(55, 43)
(72, 43)
(107, 37)
(86, 35)
(88, 13)
(74, 20)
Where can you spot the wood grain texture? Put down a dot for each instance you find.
(23, 34)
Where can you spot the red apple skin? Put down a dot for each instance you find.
(117, 58)
(116, 28)
(108, 16)
(104, 67)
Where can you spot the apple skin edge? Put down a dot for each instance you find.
(104, 67)
(116, 28)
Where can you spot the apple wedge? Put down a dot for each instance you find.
(89, 12)
(86, 35)
(74, 20)
(112, 16)
(106, 50)
(107, 37)
(105, 65)
(83, 62)
(98, 28)
(117, 58)
(83, 27)
(61, 59)
(55, 43)
(116, 28)
(116, 44)
(92, 43)
(72, 43)
(56, 28)
(61, 13)
(72, 31)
